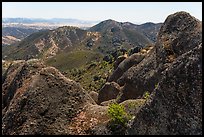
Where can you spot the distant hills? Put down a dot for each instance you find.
(40, 20)
(46, 23)
(126, 34)
(11, 35)
(16, 29)
(103, 37)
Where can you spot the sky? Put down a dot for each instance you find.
(135, 12)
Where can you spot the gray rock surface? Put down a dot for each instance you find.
(40, 100)
(109, 91)
(175, 106)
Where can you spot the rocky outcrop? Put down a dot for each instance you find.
(125, 65)
(109, 91)
(172, 72)
(13, 79)
(175, 106)
(139, 78)
(40, 100)
(179, 34)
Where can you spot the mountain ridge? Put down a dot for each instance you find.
(96, 39)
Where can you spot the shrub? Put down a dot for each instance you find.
(146, 95)
(117, 114)
(119, 118)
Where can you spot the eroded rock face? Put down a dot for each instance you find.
(109, 91)
(175, 106)
(179, 34)
(124, 65)
(172, 73)
(40, 100)
(139, 78)
(15, 78)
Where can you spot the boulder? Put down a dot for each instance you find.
(94, 96)
(139, 78)
(109, 91)
(125, 65)
(180, 33)
(40, 100)
(119, 60)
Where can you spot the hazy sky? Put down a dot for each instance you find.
(136, 12)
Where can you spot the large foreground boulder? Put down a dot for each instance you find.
(175, 106)
(40, 100)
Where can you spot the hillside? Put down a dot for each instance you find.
(125, 35)
(11, 35)
(18, 33)
(8, 40)
(86, 67)
(150, 30)
(104, 37)
(45, 43)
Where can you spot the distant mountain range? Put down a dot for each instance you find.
(15, 29)
(54, 22)
(40, 20)
(104, 37)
